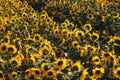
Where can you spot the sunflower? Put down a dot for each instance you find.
(24, 15)
(51, 73)
(96, 60)
(77, 66)
(98, 72)
(20, 56)
(75, 44)
(105, 32)
(43, 17)
(57, 33)
(67, 21)
(6, 39)
(3, 48)
(44, 52)
(13, 75)
(79, 34)
(83, 52)
(64, 25)
(118, 60)
(2, 61)
(45, 66)
(28, 73)
(36, 73)
(33, 59)
(2, 75)
(111, 39)
(71, 26)
(16, 28)
(94, 36)
(90, 16)
(87, 27)
(37, 37)
(105, 55)
(115, 15)
(69, 35)
(64, 33)
(117, 72)
(84, 74)
(2, 30)
(90, 48)
(60, 63)
(49, 20)
(15, 62)
(12, 49)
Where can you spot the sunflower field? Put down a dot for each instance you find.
(59, 39)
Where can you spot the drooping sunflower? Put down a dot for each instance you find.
(98, 72)
(117, 72)
(20, 56)
(84, 74)
(3, 48)
(2, 75)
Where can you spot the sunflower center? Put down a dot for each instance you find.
(36, 37)
(50, 73)
(79, 34)
(60, 63)
(118, 72)
(6, 39)
(14, 63)
(1, 75)
(37, 72)
(75, 44)
(45, 52)
(75, 68)
(46, 68)
(14, 75)
(4, 48)
(106, 55)
(98, 72)
(87, 27)
(96, 60)
(1, 30)
(10, 49)
(94, 37)
(26, 73)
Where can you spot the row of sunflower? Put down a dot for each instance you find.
(60, 41)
